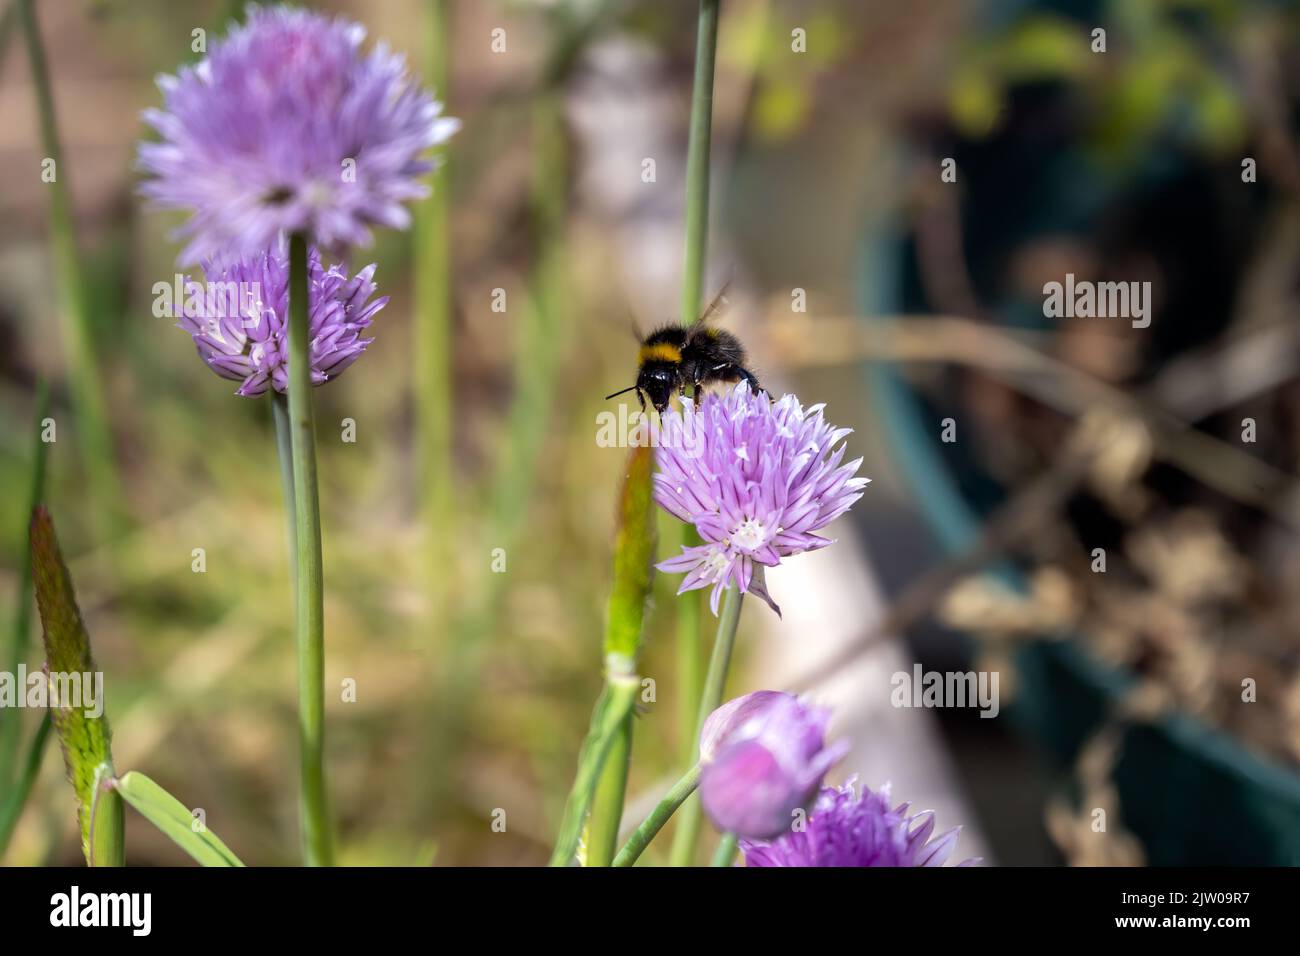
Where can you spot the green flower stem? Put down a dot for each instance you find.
(84, 378)
(689, 626)
(647, 831)
(284, 451)
(432, 351)
(697, 160)
(309, 603)
(10, 722)
(725, 855)
(12, 807)
(688, 825)
(690, 654)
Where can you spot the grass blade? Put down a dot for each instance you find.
(12, 808)
(175, 820)
(11, 722)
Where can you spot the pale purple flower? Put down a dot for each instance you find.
(850, 829)
(286, 126)
(250, 344)
(762, 757)
(758, 479)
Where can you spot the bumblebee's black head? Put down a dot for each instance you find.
(657, 382)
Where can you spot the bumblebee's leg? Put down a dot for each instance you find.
(640, 397)
(748, 376)
(699, 393)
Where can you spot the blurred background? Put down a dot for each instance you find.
(1160, 686)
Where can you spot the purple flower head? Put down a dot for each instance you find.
(849, 829)
(284, 127)
(249, 342)
(757, 479)
(762, 756)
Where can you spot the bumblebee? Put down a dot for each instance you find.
(673, 357)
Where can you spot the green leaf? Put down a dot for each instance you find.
(175, 820)
(84, 738)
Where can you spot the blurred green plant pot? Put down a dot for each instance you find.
(1192, 794)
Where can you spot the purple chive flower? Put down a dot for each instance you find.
(287, 127)
(762, 756)
(757, 479)
(848, 829)
(250, 343)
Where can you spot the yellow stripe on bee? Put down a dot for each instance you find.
(660, 352)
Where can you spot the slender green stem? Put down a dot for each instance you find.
(689, 625)
(284, 452)
(607, 803)
(697, 160)
(725, 854)
(688, 825)
(690, 658)
(10, 721)
(12, 808)
(433, 322)
(309, 604)
(85, 382)
(650, 828)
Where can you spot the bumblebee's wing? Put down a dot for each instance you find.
(717, 306)
(632, 326)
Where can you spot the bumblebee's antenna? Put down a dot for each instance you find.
(616, 394)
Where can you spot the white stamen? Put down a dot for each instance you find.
(749, 534)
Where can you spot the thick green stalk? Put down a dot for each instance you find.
(309, 604)
(107, 821)
(634, 550)
(84, 733)
(613, 707)
(688, 825)
(652, 824)
(16, 798)
(689, 627)
(432, 345)
(84, 378)
(10, 721)
(607, 803)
